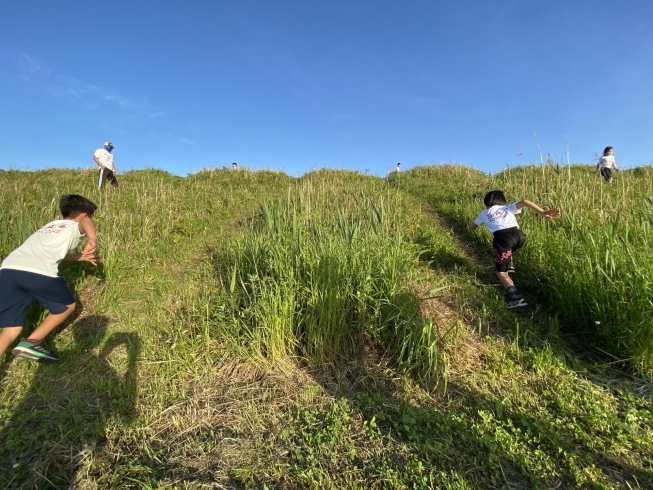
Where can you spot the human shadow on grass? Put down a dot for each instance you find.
(61, 418)
(475, 439)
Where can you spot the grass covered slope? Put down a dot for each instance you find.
(593, 265)
(250, 330)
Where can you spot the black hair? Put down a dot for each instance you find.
(494, 198)
(607, 149)
(72, 205)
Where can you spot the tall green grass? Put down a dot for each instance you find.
(593, 265)
(316, 279)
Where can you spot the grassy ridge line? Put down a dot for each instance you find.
(592, 265)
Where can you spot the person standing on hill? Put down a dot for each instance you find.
(31, 272)
(501, 220)
(107, 169)
(399, 167)
(606, 163)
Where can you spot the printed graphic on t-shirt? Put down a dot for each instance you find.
(52, 229)
(499, 217)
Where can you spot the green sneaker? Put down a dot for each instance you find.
(33, 351)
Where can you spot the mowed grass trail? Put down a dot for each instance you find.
(252, 330)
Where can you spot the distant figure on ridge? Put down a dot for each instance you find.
(234, 166)
(107, 170)
(501, 221)
(399, 167)
(30, 272)
(606, 163)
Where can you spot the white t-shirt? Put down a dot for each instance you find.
(105, 158)
(607, 161)
(42, 252)
(499, 217)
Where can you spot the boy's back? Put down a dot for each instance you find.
(499, 217)
(42, 252)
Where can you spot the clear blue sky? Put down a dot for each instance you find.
(295, 85)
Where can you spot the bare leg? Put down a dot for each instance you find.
(505, 280)
(7, 337)
(51, 322)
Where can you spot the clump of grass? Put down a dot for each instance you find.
(316, 281)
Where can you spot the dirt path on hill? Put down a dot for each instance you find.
(477, 254)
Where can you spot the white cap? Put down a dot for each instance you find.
(108, 143)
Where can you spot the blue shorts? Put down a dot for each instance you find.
(19, 288)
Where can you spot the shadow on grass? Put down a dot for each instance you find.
(62, 416)
(469, 439)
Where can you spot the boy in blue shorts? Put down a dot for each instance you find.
(31, 272)
(500, 219)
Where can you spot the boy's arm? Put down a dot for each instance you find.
(87, 227)
(550, 213)
(473, 226)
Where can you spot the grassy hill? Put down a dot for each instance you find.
(252, 330)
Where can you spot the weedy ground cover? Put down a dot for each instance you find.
(224, 344)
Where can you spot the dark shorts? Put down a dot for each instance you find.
(607, 173)
(19, 288)
(505, 243)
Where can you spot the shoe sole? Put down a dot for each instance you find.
(25, 354)
(516, 304)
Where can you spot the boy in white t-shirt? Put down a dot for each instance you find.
(107, 169)
(500, 219)
(606, 163)
(31, 272)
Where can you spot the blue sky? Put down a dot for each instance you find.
(297, 85)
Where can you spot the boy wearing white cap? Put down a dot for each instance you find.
(104, 160)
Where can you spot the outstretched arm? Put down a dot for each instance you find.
(473, 226)
(549, 213)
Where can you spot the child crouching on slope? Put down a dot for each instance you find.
(30, 272)
(501, 221)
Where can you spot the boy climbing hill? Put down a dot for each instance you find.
(500, 219)
(31, 272)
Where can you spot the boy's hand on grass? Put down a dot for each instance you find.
(90, 257)
(550, 213)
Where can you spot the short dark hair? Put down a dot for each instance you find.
(72, 205)
(606, 150)
(494, 198)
